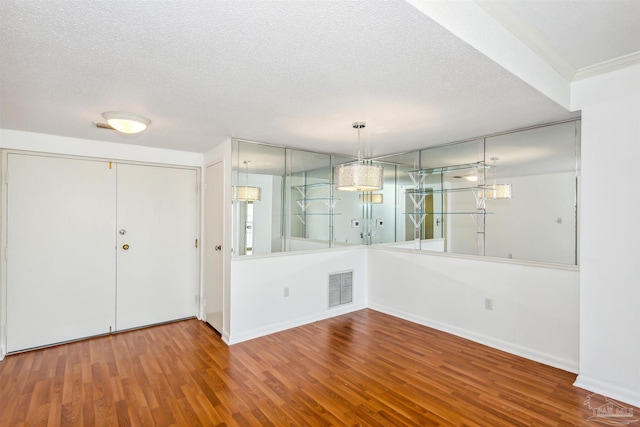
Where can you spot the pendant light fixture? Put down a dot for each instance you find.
(373, 198)
(497, 191)
(360, 176)
(125, 122)
(246, 193)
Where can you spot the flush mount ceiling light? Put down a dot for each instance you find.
(246, 193)
(360, 176)
(125, 122)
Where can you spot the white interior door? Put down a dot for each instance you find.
(213, 237)
(60, 250)
(156, 252)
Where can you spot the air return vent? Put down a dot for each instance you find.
(340, 288)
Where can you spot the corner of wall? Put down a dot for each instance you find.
(607, 389)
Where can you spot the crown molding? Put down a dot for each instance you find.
(529, 35)
(608, 66)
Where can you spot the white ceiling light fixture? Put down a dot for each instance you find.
(246, 193)
(126, 122)
(360, 176)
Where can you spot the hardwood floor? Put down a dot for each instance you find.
(364, 368)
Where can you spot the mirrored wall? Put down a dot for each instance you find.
(509, 196)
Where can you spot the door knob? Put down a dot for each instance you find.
(125, 247)
(218, 247)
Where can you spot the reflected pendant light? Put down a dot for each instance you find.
(498, 191)
(373, 198)
(126, 122)
(358, 176)
(246, 193)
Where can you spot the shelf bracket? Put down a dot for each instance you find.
(417, 199)
(304, 204)
(417, 219)
(416, 178)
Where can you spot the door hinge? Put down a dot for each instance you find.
(196, 243)
(109, 330)
(110, 165)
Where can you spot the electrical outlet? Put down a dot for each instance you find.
(355, 223)
(286, 292)
(488, 304)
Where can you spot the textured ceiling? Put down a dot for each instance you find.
(294, 73)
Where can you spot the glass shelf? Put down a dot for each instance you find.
(317, 199)
(317, 213)
(303, 216)
(444, 169)
(427, 191)
(478, 212)
(306, 187)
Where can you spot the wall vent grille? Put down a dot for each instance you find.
(340, 288)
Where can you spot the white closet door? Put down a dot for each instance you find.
(213, 250)
(157, 273)
(60, 247)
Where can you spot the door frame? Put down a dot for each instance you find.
(4, 222)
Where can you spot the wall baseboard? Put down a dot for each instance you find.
(609, 390)
(527, 353)
(271, 329)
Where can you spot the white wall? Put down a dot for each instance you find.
(258, 304)
(535, 307)
(610, 234)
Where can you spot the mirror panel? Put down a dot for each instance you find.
(257, 224)
(539, 222)
(311, 204)
(447, 198)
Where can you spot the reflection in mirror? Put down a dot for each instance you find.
(311, 203)
(389, 221)
(509, 196)
(257, 223)
(455, 174)
(539, 222)
(349, 225)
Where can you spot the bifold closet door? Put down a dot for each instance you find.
(156, 249)
(60, 250)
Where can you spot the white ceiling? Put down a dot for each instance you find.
(293, 73)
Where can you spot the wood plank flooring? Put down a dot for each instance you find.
(364, 368)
